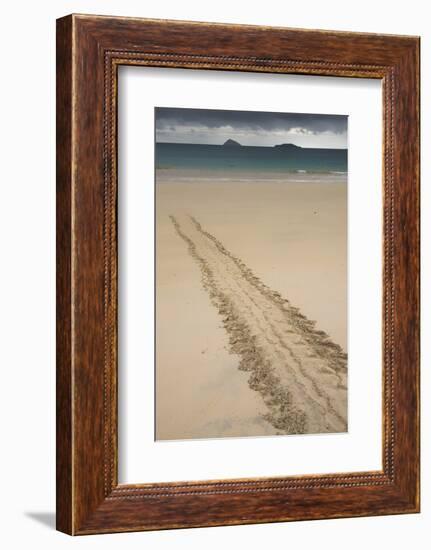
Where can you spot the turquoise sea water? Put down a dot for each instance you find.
(241, 158)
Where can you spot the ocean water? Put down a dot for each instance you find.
(230, 159)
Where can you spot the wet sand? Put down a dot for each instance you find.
(242, 270)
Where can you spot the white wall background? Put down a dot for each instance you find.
(27, 297)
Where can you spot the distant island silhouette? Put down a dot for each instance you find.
(287, 146)
(231, 143)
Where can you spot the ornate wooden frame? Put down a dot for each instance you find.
(89, 51)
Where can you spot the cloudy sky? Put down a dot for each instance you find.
(250, 128)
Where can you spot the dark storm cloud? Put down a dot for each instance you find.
(172, 119)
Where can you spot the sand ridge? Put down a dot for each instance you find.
(299, 372)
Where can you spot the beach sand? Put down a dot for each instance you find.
(242, 266)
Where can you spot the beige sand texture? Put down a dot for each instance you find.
(234, 354)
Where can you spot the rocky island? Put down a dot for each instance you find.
(287, 146)
(231, 143)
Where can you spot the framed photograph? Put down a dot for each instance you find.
(237, 274)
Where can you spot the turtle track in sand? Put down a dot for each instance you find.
(299, 372)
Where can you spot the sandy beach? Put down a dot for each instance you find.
(251, 305)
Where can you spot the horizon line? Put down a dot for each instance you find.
(241, 145)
